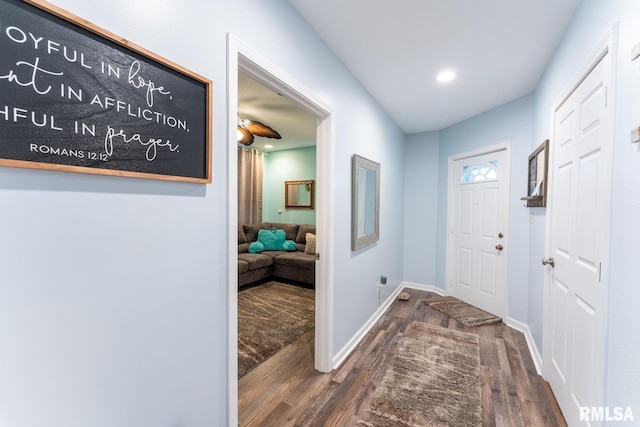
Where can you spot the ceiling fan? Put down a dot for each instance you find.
(247, 129)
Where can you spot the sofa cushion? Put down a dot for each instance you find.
(274, 254)
(243, 266)
(302, 233)
(256, 261)
(242, 237)
(251, 230)
(301, 240)
(290, 230)
(297, 259)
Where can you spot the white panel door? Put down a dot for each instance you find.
(579, 201)
(478, 219)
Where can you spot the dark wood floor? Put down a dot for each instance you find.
(286, 391)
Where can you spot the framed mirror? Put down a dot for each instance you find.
(299, 194)
(365, 202)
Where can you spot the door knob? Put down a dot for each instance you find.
(548, 261)
(499, 247)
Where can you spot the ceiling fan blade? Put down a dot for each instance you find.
(260, 129)
(247, 137)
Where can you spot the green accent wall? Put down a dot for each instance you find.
(287, 165)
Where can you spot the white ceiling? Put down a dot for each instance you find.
(395, 48)
(256, 102)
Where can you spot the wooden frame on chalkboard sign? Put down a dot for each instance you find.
(75, 97)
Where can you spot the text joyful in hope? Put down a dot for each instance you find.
(32, 73)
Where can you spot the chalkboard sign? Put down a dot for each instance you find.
(75, 97)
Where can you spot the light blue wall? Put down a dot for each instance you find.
(113, 290)
(510, 123)
(357, 273)
(281, 166)
(421, 159)
(592, 20)
(526, 123)
(113, 297)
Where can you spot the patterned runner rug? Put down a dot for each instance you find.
(270, 316)
(464, 313)
(432, 380)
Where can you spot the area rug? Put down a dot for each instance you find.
(432, 380)
(464, 313)
(270, 316)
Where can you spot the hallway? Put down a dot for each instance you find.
(287, 391)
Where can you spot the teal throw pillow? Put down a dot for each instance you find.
(273, 240)
(289, 245)
(256, 248)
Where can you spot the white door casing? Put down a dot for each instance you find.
(578, 225)
(478, 218)
(242, 57)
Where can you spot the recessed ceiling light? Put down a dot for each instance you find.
(446, 76)
(268, 146)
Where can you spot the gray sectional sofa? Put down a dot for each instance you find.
(299, 265)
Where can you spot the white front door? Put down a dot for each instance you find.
(478, 218)
(578, 229)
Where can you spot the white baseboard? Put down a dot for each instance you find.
(515, 324)
(531, 343)
(428, 288)
(355, 340)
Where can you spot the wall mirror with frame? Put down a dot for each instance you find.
(365, 202)
(299, 194)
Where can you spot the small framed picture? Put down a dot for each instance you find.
(537, 178)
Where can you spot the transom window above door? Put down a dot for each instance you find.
(480, 172)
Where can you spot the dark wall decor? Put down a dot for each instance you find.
(299, 194)
(538, 177)
(75, 97)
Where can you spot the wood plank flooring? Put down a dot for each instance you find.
(285, 390)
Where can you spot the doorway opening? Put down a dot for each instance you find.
(242, 59)
(477, 227)
(276, 197)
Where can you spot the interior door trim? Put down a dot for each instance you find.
(241, 57)
(451, 188)
(605, 50)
